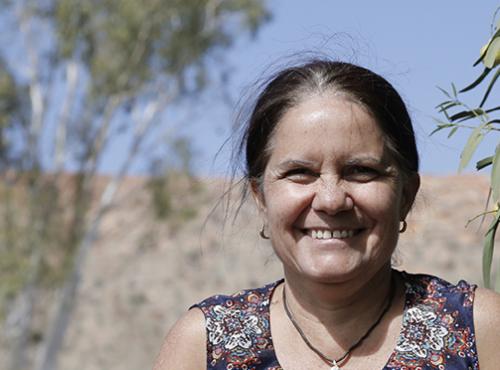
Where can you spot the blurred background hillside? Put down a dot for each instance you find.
(112, 112)
(143, 273)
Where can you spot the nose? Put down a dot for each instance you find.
(331, 197)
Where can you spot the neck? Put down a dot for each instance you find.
(345, 308)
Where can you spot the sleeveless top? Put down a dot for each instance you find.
(437, 328)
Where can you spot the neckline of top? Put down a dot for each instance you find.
(407, 301)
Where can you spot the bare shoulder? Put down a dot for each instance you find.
(184, 346)
(487, 327)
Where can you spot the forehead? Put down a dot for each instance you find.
(327, 124)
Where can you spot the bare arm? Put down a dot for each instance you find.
(487, 328)
(184, 347)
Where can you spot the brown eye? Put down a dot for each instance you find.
(361, 173)
(300, 175)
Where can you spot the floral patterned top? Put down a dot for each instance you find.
(437, 330)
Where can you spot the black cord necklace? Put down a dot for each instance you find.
(336, 363)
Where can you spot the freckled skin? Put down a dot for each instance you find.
(329, 169)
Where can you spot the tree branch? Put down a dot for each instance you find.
(72, 76)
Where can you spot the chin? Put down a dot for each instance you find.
(330, 273)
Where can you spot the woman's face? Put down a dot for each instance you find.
(331, 195)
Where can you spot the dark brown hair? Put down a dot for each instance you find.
(285, 90)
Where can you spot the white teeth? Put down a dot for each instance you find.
(335, 234)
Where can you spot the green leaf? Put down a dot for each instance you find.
(444, 92)
(443, 104)
(497, 282)
(495, 176)
(441, 125)
(485, 162)
(436, 130)
(492, 109)
(490, 59)
(443, 107)
(488, 247)
(466, 115)
(452, 131)
(490, 86)
(481, 57)
(485, 49)
(477, 81)
(462, 114)
(454, 89)
(475, 138)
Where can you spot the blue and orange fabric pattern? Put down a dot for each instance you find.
(437, 331)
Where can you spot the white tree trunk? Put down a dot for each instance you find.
(48, 356)
(21, 318)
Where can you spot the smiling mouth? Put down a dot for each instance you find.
(324, 234)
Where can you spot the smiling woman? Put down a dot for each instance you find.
(332, 196)
(332, 164)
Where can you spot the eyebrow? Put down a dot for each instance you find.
(383, 163)
(295, 163)
(367, 159)
(361, 160)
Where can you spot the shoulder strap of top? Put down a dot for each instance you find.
(238, 327)
(438, 325)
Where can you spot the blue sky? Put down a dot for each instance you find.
(416, 45)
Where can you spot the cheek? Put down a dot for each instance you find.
(381, 203)
(382, 208)
(286, 202)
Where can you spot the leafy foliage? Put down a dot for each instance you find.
(76, 77)
(126, 43)
(481, 121)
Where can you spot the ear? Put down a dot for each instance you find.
(258, 196)
(410, 189)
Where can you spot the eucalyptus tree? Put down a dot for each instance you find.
(76, 76)
(482, 119)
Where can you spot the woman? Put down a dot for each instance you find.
(332, 164)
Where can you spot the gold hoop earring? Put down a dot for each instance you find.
(262, 233)
(403, 227)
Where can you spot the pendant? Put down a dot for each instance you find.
(335, 366)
